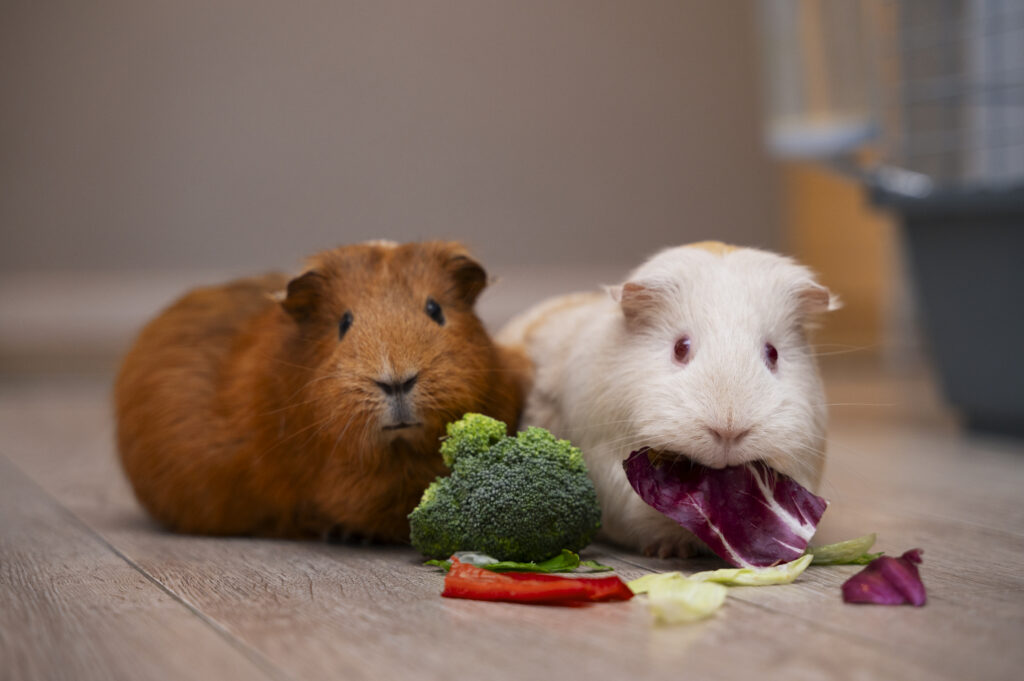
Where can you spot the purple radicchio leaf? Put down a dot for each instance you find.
(888, 581)
(749, 515)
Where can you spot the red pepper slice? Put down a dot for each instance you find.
(468, 581)
(609, 588)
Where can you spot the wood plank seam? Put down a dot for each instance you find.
(220, 630)
(254, 655)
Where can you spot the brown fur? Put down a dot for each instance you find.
(238, 413)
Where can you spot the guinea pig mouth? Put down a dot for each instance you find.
(673, 458)
(661, 455)
(400, 426)
(678, 458)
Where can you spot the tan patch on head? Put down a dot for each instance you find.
(381, 243)
(715, 247)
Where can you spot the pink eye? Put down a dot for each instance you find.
(771, 356)
(682, 350)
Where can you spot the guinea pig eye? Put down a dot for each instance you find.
(682, 350)
(771, 356)
(434, 311)
(344, 324)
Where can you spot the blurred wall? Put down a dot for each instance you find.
(235, 134)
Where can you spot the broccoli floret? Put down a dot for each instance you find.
(473, 434)
(522, 498)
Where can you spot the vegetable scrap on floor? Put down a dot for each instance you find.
(566, 561)
(888, 581)
(674, 599)
(849, 552)
(469, 581)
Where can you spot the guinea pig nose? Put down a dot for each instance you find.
(728, 435)
(397, 386)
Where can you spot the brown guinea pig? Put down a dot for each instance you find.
(312, 406)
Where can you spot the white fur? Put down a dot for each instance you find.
(612, 385)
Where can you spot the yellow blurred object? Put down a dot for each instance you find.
(830, 226)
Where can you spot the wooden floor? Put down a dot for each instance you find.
(90, 589)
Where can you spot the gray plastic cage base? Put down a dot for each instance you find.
(966, 258)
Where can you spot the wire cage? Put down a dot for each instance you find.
(935, 87)
(923, 102)
(960, 90)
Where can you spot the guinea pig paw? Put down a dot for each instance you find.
(338, 534)
(671, 547)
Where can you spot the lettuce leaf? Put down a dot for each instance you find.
(849, 552)
(674, 599)
(778, 574)
(641, 585)
(749, 515)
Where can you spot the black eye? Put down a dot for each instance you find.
(771, 356)
(434, 311)
(682, 350)
(344, 324)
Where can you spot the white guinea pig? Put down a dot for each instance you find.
(703, 353)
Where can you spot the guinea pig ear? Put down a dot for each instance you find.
(814, 299)
(303, 295)
(468, 275)
(639, 300)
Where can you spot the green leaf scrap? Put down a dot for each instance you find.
(777, 574)
(566, 561)
(849, 552)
